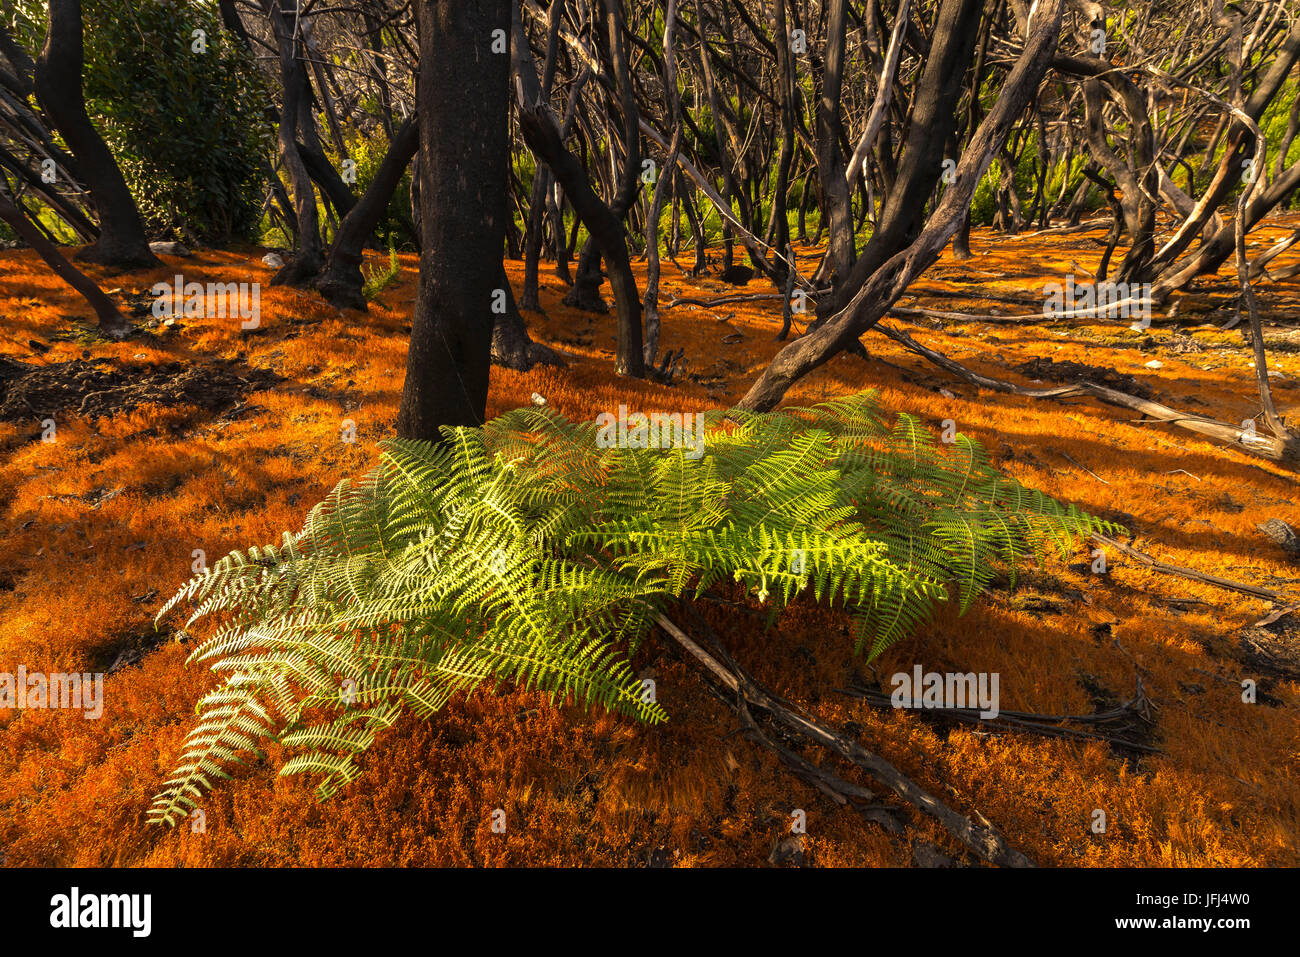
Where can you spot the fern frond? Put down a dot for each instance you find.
(523, 552)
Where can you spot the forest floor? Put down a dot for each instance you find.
(201, 436)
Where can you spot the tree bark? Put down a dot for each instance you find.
(341, 281)
(111, 322)
(665, 181)
(537, 124)
(933, 121)
(306, 262)
(890, 281)
(463, 101)
(512, 346)
(122, 242)
(836, 200)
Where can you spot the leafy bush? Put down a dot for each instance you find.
(523, 551)
(187, 129)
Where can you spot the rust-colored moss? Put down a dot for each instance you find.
(83, 571)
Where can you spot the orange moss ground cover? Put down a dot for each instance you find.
(98, 528)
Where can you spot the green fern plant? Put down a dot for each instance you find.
(524, 552)
(381, 277)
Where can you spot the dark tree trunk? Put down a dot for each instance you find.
(325, 175)
(537, 210)
(651, 345)
(512, 347)
(111, 322)
(341, 281)
(933, 121)
(462, 97)
(556, 208)
(307, 260)
(540, 132)
(961, 241)
(585, 293)
(122, 242)
(778, 225)
(232, 21)
(837, 211)
(886, 284)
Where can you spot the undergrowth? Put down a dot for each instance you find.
(525, 552)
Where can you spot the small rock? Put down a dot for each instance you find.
(1155, 364)
(538, 400)
(788, 850)
(272, 260)
(1280, 533)
(168, 249)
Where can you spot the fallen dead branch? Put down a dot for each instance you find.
(1282, 449)
(1178, 570)
(1046, 725)
(982, 838)
(832, 785)
(922, 312)
(1083, 227)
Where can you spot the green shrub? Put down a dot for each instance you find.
(187, 129)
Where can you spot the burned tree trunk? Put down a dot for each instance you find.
(886, 283)
(537, 124)
(933, 122)
(307, 260)
(666, 178)
(111, 322)
(512, 346)
(836, 199)
(122, 242)
(341, 281)
(463, 100)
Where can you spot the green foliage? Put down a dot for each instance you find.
(368, 151)
(984, 204)
(524, 551)
(381, 277)
(1273, 125)
(187, 129)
